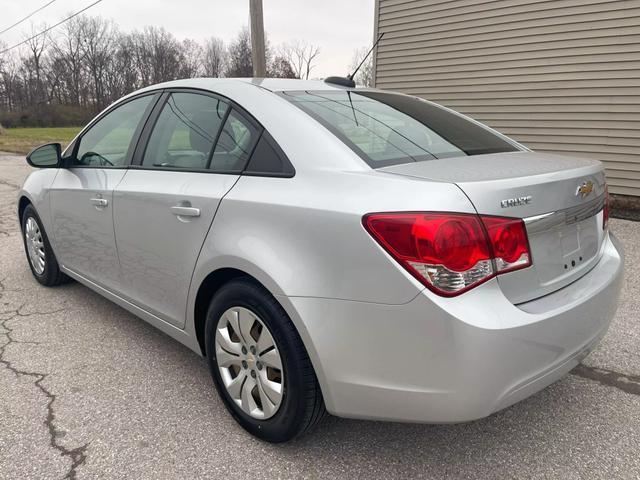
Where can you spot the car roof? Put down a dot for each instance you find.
(270, 84)
(289, 84)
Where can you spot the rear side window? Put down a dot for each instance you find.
(235, 144)
(185, 132)
(269, 159)
(390, 129)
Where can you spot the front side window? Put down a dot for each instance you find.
(390, 129)
(185, 132)
(106, 144)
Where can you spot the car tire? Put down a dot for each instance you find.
(301, 405)
(48, 272)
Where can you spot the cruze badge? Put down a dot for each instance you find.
(515, 202)
(584, 189)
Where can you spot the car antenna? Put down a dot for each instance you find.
(352, 109)
(348, 80)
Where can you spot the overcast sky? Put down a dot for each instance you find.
(337, 26)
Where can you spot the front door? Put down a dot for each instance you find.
(164, 207)
(82, 194)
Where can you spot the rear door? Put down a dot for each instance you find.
(193, 150)
(82, 193)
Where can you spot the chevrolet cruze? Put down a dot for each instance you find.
(331, 249)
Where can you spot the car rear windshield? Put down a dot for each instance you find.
(390, 129)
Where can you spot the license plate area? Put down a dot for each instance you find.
(579, 243)
(564, 246)
(564, 242)
(569, 240)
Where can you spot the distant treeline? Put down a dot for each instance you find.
(66, 78)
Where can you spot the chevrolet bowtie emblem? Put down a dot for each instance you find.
(584, 189)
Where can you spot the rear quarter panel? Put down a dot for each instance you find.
(303, 236)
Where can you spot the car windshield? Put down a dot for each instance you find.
(389, 129)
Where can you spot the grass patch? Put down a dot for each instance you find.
(23, 140)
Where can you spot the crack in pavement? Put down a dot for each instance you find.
(4, 228)
(77, 455)
(626, 383)
(10, 184)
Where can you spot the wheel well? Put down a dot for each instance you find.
(22, 204)
(208, 288)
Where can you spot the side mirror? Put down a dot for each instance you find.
(45, 156)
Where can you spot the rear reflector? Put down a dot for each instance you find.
(451, 252)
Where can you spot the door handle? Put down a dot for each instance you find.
(100, 202)
(181, 211)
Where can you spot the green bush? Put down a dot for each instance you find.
(47, 116)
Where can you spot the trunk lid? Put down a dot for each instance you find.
(563, 220)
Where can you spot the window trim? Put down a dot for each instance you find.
(155, 94)
(145, 136)
(225, 118)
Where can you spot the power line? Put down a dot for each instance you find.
(27, 17)
(50, 28)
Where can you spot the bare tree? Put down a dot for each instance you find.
(9, 77)
(68, 50)
(161, 53)
(364, 76)
(301, 56)
(240, 64)
(89, 63)
(214, 57)
(53, 77)
(280, 68)
(98, 37)
(122, 77)
(36, 45)
(190, 58)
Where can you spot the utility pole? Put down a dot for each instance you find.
(257, 39)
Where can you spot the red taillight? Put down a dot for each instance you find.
(605, 210)
(451, 252)
(508, 238)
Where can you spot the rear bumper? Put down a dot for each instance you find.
(456, 359)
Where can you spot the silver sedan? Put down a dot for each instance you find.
(331, 249)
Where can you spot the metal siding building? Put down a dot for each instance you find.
(556, 75)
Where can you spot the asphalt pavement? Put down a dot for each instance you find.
(87, 390)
